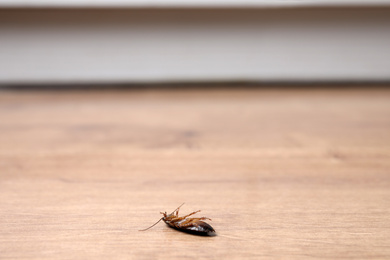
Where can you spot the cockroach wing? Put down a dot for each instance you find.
(200, 228)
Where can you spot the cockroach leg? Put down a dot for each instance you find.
(177, 210)
(190, 221)
(190, 214)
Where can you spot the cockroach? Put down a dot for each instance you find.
(193, 226)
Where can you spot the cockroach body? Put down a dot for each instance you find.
(185, 224)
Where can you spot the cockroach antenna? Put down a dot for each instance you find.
(160, 219)
(151, 225)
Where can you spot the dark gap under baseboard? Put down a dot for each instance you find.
(192, 85)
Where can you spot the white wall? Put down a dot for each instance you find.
(167, 45)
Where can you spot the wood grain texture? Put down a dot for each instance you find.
(285, 173)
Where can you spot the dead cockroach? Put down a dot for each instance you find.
(189, 225)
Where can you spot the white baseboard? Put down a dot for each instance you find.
(193, 45)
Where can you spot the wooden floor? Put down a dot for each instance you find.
(285, 173)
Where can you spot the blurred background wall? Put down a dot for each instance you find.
(129, 41)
